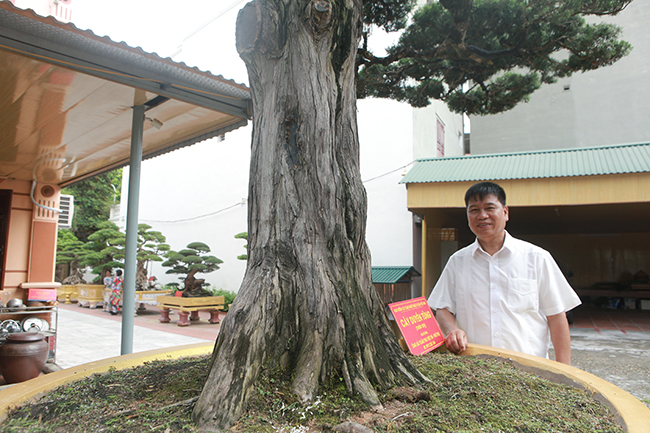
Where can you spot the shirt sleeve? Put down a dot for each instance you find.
(555, 293)
(444, 292)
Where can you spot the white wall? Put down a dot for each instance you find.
(196, 194)
(385, 135)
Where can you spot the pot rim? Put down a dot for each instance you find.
(25, 337)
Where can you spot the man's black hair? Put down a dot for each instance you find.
(119, 272)
(483, 189)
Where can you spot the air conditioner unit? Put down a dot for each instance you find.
(66, 204)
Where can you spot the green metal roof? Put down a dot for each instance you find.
(628, 158)
(392, 274)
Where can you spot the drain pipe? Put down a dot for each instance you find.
(130, 253)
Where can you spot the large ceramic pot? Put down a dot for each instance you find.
(631, 414)
(23, 356)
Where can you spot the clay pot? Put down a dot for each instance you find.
(23, 356)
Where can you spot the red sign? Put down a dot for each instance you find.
(41, 295)
(417, 324)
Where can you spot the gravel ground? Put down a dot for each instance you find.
(619, 358)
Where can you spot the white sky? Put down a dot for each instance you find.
(160, 26)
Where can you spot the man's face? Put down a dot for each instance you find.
(487, 218)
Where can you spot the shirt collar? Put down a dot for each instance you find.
(508, 244)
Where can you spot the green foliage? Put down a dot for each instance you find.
(173, 287)
(68, 248)
(486, 56)
(93, 199)
(391, 15)
(229, 296)
(69, 251)
(242, 235)
(105, 248)
(193, 258)
(151, 245)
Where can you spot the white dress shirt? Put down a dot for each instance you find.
(503, 300)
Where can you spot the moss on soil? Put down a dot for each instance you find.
(466, 394)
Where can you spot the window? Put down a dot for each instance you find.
(440, 138)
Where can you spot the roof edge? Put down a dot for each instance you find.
(186, 143)
(543, 164)
(60, 43)
(535, 152)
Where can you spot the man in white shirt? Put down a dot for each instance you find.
(501, 291)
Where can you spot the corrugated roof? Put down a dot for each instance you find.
(56, 32)
(392, 274)
(77, 89)
(620, 159)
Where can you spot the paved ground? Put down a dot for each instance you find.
(620, 358)
(89, 335)
(617, 355)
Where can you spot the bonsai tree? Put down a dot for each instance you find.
(69, 253)
(151, 248)
(190, 261)
(242, 235)
(306, 304)
(104, 249)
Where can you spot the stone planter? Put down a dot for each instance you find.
(630, 413)
(90, 295)
(67, 294)
(20, 393)
(188, 308)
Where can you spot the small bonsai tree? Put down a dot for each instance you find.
(190, 261)
(243, 235)
(151, 246)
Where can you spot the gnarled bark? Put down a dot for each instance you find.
(306, 302)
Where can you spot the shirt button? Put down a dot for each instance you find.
(494, 310)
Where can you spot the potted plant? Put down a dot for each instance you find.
(187, 263)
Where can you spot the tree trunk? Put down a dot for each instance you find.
(141, 275)
(306, 302)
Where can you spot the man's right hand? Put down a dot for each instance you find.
(456, 341)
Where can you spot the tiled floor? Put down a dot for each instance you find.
(599, 318)
(150, 319)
